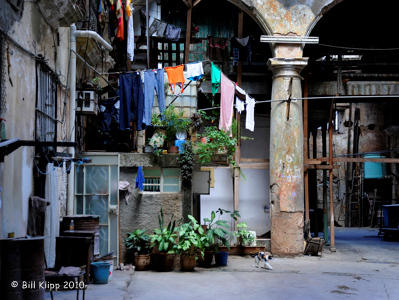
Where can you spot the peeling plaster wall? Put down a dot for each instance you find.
(291, 16)
(370, 140)
(19, 87)
(141, 210)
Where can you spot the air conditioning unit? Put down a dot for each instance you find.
(86, 102)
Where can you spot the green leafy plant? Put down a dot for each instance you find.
(217, 141)
(164, 238)
(174, 122)
(186, 161)
(244, 237)
(217, 231)
(191, 238)
(138, 241)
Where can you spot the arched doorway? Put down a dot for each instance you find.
(357, 60)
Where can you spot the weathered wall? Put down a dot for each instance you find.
(32, 32)
(141, 210)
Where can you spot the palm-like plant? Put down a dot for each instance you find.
(192, 238)
(138, 241)
(164, 238)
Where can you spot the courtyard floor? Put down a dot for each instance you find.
(364, 267)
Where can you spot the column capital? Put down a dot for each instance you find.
(287, 67)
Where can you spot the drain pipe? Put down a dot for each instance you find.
(72, 108)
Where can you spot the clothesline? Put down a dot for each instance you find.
(144, 70)
(311, 98)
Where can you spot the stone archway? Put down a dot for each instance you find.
(249, 8)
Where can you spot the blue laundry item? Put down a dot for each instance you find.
(153, 80)
(140, 179)
(131, 107)
(180, 144)
(172, 33)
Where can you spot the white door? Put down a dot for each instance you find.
(96, 193)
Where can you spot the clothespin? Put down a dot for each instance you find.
(289, 90)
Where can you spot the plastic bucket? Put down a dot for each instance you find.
(221, 258)
(374, 170)
(111, 268)
(100, 272)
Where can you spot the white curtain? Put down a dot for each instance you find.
(52, 223)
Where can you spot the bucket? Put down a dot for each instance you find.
(100, 271)
(221, 258)
(374, 170)
(111, 268)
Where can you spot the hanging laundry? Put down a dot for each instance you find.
(175, 77)
(131, 106)
(172, 33)
(250, 117)
(215, 78)
(130, 30)
(217, 49)
(195, 71)
(241, 49)
(112, 21)
(159, 27)
(227, 92)
(120, 33)
(243, 41)
(140, 179)
(153, 80)
(240, 98)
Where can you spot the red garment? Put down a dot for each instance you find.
(120, 33)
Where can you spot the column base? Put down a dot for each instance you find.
(287, 234)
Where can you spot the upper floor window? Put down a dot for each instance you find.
(165, 180)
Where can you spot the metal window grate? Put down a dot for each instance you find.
(46, 104)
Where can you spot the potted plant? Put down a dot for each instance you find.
(216, 142)
(217, 234)
(244, 237)
(163, 242)
(190, 244)
(176, 126)
(186, 162)
(139, 242)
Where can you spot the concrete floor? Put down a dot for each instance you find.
(364, 267)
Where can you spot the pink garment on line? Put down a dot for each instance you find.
(227, 92)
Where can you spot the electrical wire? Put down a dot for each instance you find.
(311, 98)
(356, 48)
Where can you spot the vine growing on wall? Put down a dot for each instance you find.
(186, 162)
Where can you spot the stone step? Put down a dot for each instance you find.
(263, 243)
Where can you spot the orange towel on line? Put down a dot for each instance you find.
(175, 77)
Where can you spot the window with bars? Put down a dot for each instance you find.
(46, 104)
(165, 180)
(169, 53)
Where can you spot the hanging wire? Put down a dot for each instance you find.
(311, 98)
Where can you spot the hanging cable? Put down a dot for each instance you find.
(312, 98)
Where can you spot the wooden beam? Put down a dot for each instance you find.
(254, 165)
(319, 167)
(251, 160)
(306, 148)
(196, 2)
(363, 160)
(188, 3)
(236, 191)
(188, 31)
(330, 156)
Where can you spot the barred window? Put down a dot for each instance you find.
(162, 180)
(46, 104)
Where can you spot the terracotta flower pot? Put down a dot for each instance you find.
(163, 262)
(142, 262)
(187, 262)
(173, 149)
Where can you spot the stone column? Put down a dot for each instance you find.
(286, 158)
